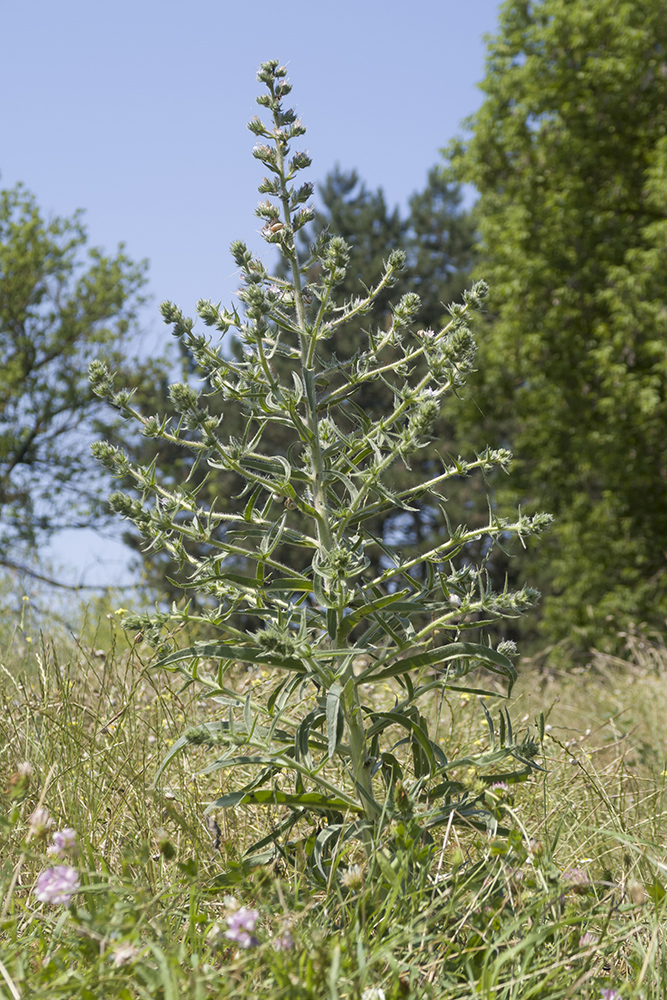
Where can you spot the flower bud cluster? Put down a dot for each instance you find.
(508, 647)
(335, 258)
(282, 641)
(515, 600)
(101, 379)
(185, 401)
(341, 562)
(407, 309)
(267, 155)
(213, 316)
(112, 458)
(495, 458)
(130, 508)
(420, 425)
(172, 315)
(300, 195)
(455, 355)
(476, 295)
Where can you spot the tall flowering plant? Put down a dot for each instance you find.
(320, 746)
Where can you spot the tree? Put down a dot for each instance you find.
(438, 237)
(59, 309)
(569, 155)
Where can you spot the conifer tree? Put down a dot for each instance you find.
(437, 236)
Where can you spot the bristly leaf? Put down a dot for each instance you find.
(302, 592)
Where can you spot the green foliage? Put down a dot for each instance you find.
(569, 155)
(570, 902)
(437, 237)
(339, 623)
(59, 309)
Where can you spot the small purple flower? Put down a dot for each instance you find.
(578, 879)
(241, 925)
(57, 885)
(64, 841)
(610, 995)
(284, 942)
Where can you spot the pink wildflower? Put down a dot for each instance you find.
(64, 841)
(241, 925)
(57, 885)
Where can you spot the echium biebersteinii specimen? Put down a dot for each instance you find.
(328, 627)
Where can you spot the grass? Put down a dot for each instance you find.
(567, 902)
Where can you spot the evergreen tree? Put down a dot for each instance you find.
(438, 236)
(569, 155)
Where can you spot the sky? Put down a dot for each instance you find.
(136, 112)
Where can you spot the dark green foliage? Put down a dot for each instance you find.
(437, 236)
(569, 155)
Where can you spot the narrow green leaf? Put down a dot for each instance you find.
(327, 839)
(250, 506)
(271, 539)
(166, 973)
(333, 707)
(247, 714)
(490, 727)
(219, 650)
(352, 620)
(291, 583)
(298, 387)
(332, 622)
(310, 801)
(464, 651)
(173, 751)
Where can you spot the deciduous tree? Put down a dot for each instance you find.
(569, 154)
(61, 305)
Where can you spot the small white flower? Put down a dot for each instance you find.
(283, 942)
(125, 954)
(215, 937)
(353, 877)
(374, 993)
(241, 925)
(40, 822)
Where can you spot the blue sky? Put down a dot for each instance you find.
(137, 111)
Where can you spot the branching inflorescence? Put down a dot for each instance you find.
(336, 628)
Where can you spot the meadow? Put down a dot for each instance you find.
(326, 774)
(565, 900)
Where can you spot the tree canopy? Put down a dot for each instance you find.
(437, 235)
(569, 155)
(61, 305)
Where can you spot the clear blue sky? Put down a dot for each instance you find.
(137, 111)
